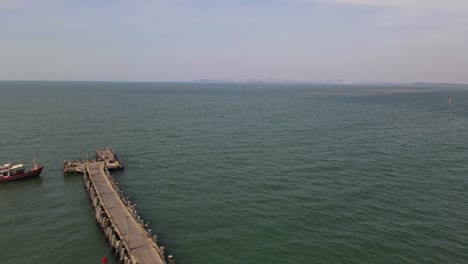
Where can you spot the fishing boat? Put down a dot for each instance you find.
(9, 172)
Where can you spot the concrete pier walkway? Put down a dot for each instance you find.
(126, 232)
(107, 155)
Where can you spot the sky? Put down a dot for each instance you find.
(182, 40)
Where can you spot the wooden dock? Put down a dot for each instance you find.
(128, 235)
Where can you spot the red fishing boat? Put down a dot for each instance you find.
(9, 172)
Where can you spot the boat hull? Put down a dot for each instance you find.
(24, 175)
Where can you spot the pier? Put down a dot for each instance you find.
(129, 236)
(111, 162)
(77, 166)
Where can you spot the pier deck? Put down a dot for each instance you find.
(105, 153)
(140, 247)
(74, 166)
(108, 156)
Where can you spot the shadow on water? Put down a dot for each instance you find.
(72, 177)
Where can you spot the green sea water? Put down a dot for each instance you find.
(243, 173)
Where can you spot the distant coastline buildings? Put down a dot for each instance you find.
(270, 81)
(330, 82)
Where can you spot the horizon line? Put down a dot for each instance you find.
(251, 81)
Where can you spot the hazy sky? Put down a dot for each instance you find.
(181, 40)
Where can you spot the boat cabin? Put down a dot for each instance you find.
(5, 170)
(8, 170)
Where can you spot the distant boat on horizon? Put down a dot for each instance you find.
(450, 100)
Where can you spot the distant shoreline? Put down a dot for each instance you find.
(259, 82)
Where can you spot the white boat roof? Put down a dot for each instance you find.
(17, 166)
(6, 166)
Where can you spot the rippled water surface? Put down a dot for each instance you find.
(244, 173)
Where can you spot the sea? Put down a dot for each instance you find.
(243, 173)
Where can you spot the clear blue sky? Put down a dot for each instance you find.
(179, 40)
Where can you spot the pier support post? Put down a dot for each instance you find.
(117, 245)
(113, 242)
(162, 251)
(121, 254)
(171, 259)
(108, 234)
(105, 223)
